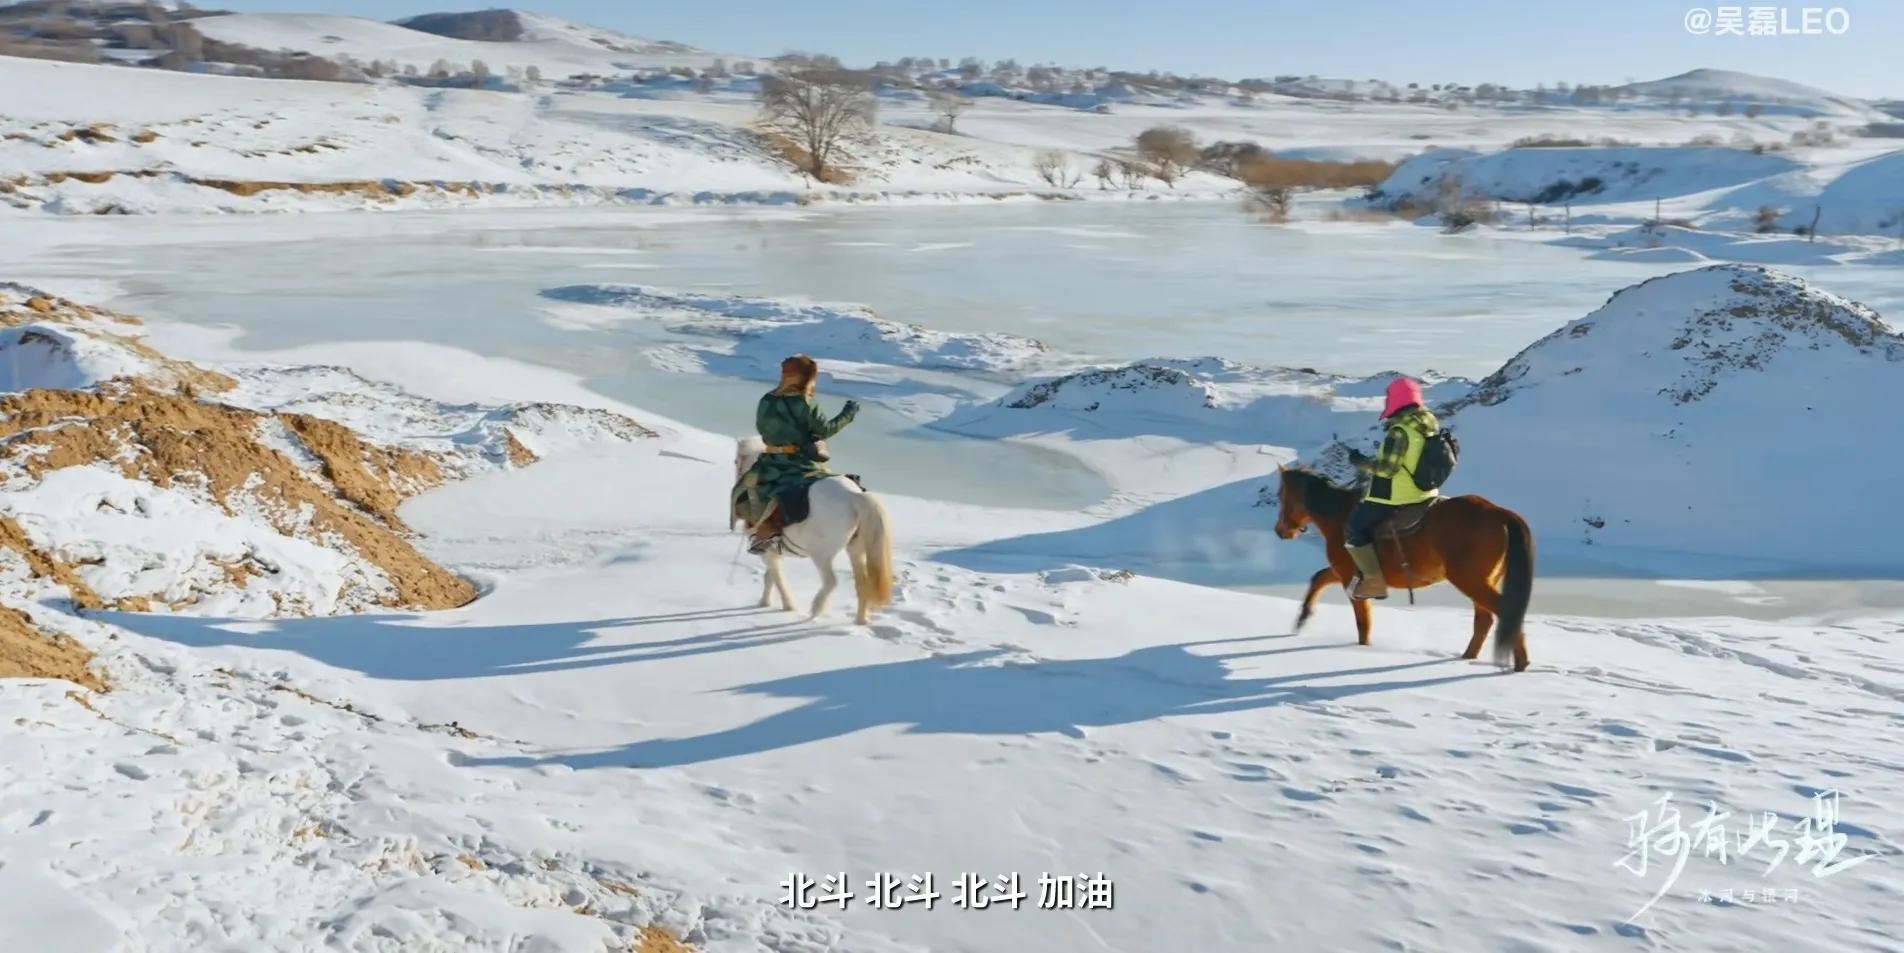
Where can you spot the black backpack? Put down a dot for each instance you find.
(1438, 457)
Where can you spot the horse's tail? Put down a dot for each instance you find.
(875, 540)
(1516, 590)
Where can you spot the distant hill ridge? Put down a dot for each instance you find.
(494, 26)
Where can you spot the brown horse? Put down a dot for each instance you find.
(1487, 551)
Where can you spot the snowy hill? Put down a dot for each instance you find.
(556, 47)
(1714, 87)
(1729, 411)
(1735, 194)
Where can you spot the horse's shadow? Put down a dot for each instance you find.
(986, 692)
(396, 646)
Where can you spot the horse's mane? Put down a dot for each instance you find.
(1320, 496)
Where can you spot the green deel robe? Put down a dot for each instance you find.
(786, 420)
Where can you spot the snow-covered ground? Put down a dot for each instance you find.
(610, 748)
(580, 759)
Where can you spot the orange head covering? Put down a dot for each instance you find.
(799, 374)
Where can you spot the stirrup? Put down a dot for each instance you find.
(1355, 591)
(760, 547)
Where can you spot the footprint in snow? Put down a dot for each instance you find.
(1574, 790)
(1172, 772)
(1541, 826)
(1035, 616)
(1248, 771)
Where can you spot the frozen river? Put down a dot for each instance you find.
(1113, 280)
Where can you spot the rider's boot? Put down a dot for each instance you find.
(1368, 583)
(766, 533)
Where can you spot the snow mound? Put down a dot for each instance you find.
(1205, 398)
(1727, 86)
(1709, 411)
(128, 489)
(1133, 388)
(768, 329)
(1579, 175)
(45, 355)
(464, 439)
(51, 342)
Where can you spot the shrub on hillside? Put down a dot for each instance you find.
(1267, 170)
(1169, 150)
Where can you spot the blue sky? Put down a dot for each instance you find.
(1518, 42)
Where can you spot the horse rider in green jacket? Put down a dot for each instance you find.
(1392, 481)
(792, 426)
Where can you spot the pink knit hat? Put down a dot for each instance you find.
(1402, 393)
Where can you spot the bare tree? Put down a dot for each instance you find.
(532, 73)
(480, 70)
(819, 110)
(1766, 219)
(1132, 174)
(948, 105)
(1168, 149)
(1054, 166)
(1460, 209)
(1104, 172)
(1272, 201)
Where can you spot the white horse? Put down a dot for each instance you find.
(840, 516)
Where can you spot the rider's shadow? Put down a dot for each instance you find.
(406, 647)
(984, 692)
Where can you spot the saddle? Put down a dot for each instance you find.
(795, 503)
(1405, 520)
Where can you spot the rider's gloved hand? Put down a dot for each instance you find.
(851, 409)
(1358, 458)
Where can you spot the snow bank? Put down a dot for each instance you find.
(1863, 196)
(1727, 413)
(765, 330)
(1584, 176)
(1673, 243)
